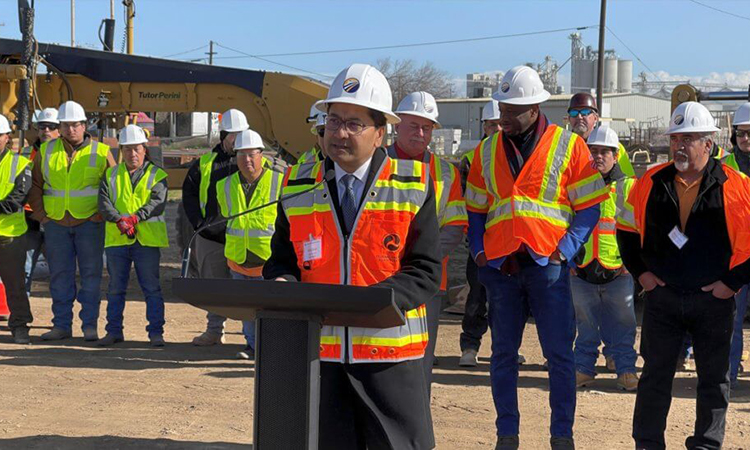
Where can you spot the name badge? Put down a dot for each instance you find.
(312, 249)
(678, 239)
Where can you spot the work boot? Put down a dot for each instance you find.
(583, 379)
(206, 339)
(156, 340)
(468, 358)
(561, 443)
(248, 353)
(611, 364)
(628, 382)
(90, 334)
(507, 443)
(55, 334)
(21, 335)
(109, 339)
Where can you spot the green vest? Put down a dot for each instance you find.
(206, 165)
(73, 189)
(731, 161)
(469, 156)
(314, 154)
(602, 244)
(11, 166)
(149, 233)
(624, 162)
(250, 232)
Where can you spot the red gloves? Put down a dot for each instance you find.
(126, 225)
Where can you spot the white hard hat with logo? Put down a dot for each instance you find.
(71, 111)
(491, 111)
(4, 125)
(362, 85)
(47, 115)
(691, 117)
(521, 85)
(248, 139)
(742, 115)
(132, 135)
(420, 104)
(604, 136)
(233, 121)
(317, 118)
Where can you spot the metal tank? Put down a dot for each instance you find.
(625, 76)
(610, 75)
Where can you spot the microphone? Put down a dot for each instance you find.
(329, 176)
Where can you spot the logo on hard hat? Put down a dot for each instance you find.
(429, 108)
(392, 242)
(351, 85)
(678, 120)
(505, 87)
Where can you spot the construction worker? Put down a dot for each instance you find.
(739, 160)
(47, 126)
(583, 115)
(372, 224)
(201, 208)
(248, 237)
(63, 197)
(533, 198)
(15, 183)
(682, 234)
(602, 290)
(418, 112)
(318, 119)
(132, 199)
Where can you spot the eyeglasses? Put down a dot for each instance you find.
(353, 127)
(46, 126)
(69, 125)
(251, 154)
(573, 113)
(742, 133)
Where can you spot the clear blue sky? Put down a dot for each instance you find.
(678, 37)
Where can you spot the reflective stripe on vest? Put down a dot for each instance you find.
(72, 187)
(368, 256)
(11, 166)
(250, 232)
(206, 165)
(128, 200)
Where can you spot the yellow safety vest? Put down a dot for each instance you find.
(11, 166)
(731, 161)
(314, 154)
(206, 165)
(250, 232)
(73, 188)
(149, 233)
(602, 244)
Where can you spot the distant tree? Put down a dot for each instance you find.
(406, 76)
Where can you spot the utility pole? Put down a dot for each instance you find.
(210, 127)
(72, 23)
(211, 53)
(129, 15)
(600, 62)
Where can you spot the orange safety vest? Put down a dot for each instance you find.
(537, 207)
(371, 254)
(736, 193)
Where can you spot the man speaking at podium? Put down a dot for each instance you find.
(372, 224)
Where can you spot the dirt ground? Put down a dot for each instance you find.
(73, 395)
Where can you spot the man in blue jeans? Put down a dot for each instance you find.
(132, 199)
(63, 198)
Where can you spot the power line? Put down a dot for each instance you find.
(418, 44)
(186, 51)
(719, 10)
(248, 55)
(634, 55)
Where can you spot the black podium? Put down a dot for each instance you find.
(287, 366)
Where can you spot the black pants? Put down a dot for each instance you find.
(668, 315)
(12, 260)
(474, 323)
(374, 406)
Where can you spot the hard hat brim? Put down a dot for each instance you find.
(422, 115)
(250, 147)
(744, 122)
(533, 100)
(392, 118)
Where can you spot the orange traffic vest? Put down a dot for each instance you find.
(537, 207)
(736, 192)
(371, 254)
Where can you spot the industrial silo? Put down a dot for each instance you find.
(584, 76)
(625, 76)
(610, 75)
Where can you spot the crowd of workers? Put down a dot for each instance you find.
(558, 227)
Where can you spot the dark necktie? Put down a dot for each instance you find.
(348, 203)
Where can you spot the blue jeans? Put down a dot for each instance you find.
(735, 352)
(146, 262)
(604, 314)
(66, 246)
(545, 291)
(248, 326)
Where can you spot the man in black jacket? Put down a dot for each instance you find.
(681, 234)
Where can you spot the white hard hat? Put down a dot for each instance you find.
(362, 85)
(71, 111)
(742, 115)
(47, 115)
(4, 125)
(491, 111)
(317, 118)
(233, 121)
(691, 117)
(132, 135)
(604, 136)
(420, 104)
(521, 85)
(248, 139)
